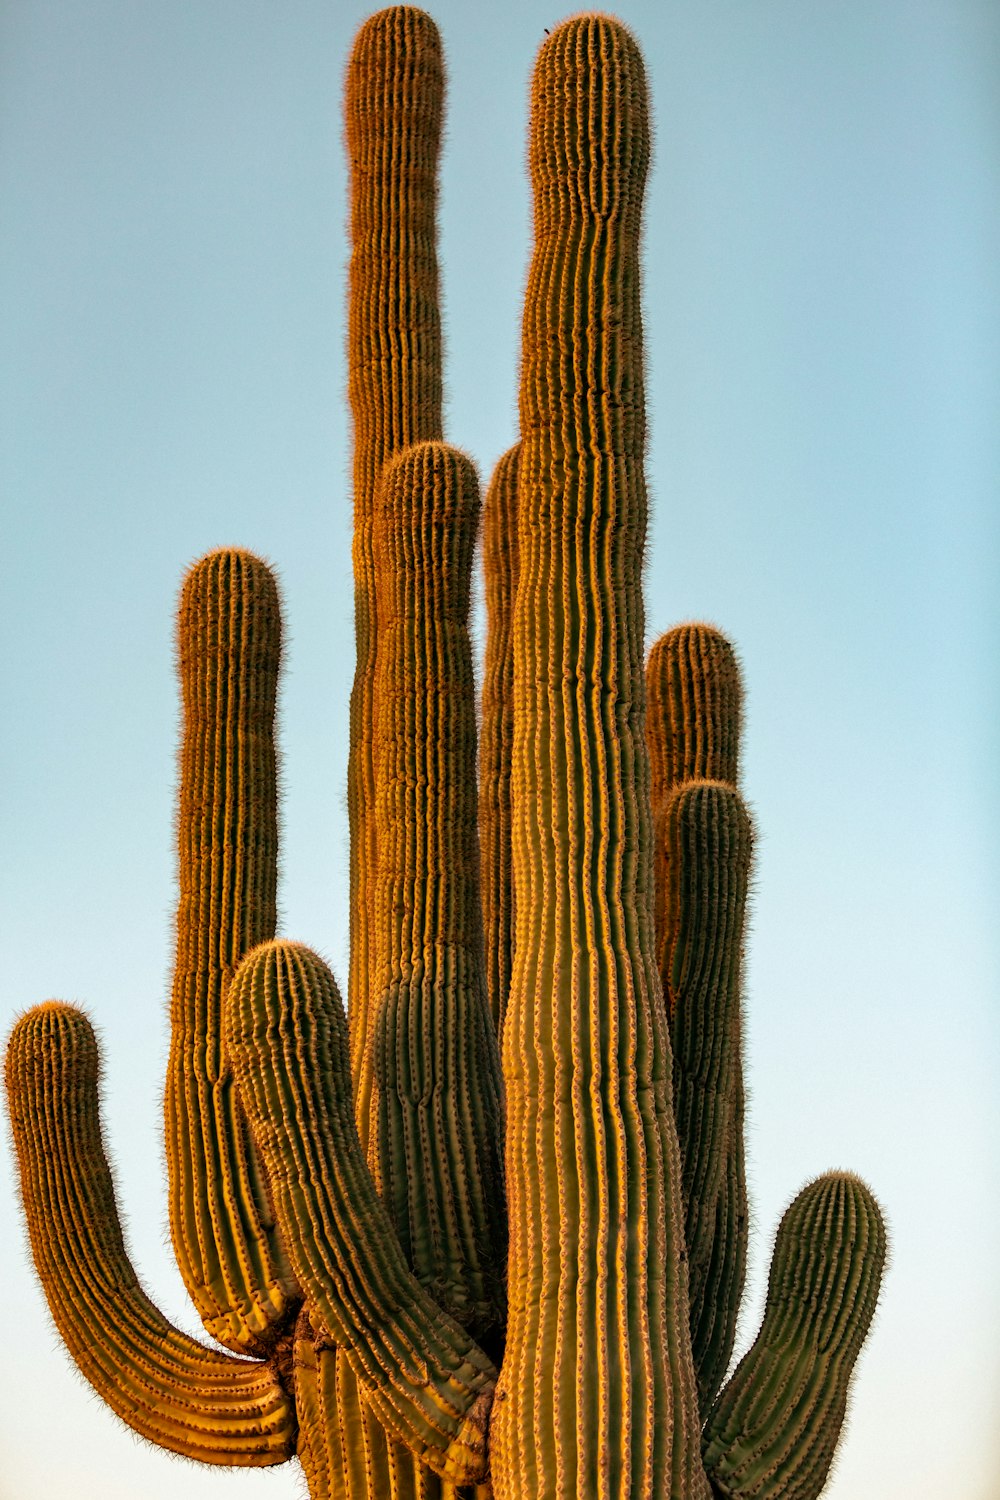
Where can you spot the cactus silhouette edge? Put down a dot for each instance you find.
(440, 1237)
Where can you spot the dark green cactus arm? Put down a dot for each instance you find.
(597, 1395)
(772, 1433)
(424, 1378)
(164, 1385)
(703, 841)
(229, 645)
(439, 1164)
(395, 99)
(497, 741)
(707, 841)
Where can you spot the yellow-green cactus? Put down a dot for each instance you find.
(341, 1188)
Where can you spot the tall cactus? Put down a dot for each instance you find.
(544, 1031)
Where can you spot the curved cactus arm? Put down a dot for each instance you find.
(426, 1380)
(703, 847)
(439, 1164)
(597, 1395)
(497, 738)
(394, 109)
(165, 1386)
(707, 840)
(772, 1433)
(224, 1237)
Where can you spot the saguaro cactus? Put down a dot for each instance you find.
(486, 1233)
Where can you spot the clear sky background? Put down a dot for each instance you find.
(821, 312)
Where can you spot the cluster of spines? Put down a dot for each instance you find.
(597, 1384)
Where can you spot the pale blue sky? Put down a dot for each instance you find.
(821, 304)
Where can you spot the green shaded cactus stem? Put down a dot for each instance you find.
(485, 1237)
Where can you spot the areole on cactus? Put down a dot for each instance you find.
(486, 1233)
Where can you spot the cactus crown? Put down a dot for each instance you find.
(486, 1232)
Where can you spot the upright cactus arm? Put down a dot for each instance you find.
(708, 839)
(165, 1386)
(703, 845)
(423, 1376)
(439, 1159)
(497, 738)
(229, 646)
(394, 107)
(597, 1394)
(773, 1431)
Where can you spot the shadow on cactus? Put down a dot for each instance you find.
(486, 1233)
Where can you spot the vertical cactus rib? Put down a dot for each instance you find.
(772, 1433)
(394, 107)
(229, 645)
(703, 844)
(423, 1377)
(439, 1166)
(707, 840)
(165, 1386)
(497, 740)
(597, 1395)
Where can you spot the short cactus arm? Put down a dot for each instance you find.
(166, 1387)
(229, 645)
(439, 1164)
(772, 1433)
(394, 108)
(497, 739)
(424, 1378)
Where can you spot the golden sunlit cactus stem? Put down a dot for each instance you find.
(168, 1388)
(597, 1394)
(439, 1164)
(229, 647)
(394, 106)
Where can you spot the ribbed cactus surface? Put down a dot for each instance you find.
(485, 1236)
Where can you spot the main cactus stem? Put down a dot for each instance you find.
(342, 1188)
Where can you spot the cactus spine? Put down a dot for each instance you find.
(337, 1185)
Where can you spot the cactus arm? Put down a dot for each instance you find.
(229, 644)
(165, 1386)
(708, 840)
(695, 709)
(772, 1433)
(597, 1394)
(423, 1377)
(439, 1163)
(703, 846)
(496, 743)
(394, 105)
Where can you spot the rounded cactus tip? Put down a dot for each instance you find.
(590, 68)
(55, 1030)
(253, 565)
